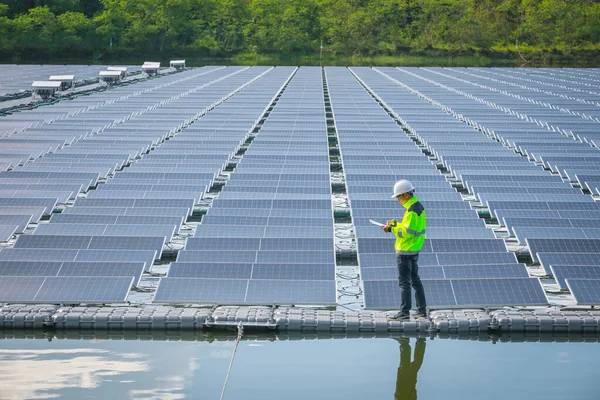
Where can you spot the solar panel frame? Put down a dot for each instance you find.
(19, 289)
(30, 268)
(499, 292)
(585, 291)
(386, 294)
(7, 232)
(563, 272)
(546, 259)
(200, 291)
(291, 292)
(210, 270)
(562, 246)
(84, 290)
(103, 269)
(391, 273)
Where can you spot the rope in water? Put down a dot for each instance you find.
(240, 329)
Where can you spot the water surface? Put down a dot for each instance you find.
(297, 368)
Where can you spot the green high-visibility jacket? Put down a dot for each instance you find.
(410, 233)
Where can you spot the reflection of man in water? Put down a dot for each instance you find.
(406, 383)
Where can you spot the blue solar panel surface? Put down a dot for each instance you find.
(563, 272)
(585, 291)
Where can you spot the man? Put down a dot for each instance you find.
(406, 381)
(410, 235)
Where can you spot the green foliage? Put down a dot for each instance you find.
(349, 28)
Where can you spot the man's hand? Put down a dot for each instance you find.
(388, 225)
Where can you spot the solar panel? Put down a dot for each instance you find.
(47, 203)
(20, 220)
(69, 229)
(165, 231)
(555, 214)
(368, 245)
(585, 291)
(537, 222)
(61, 197)
(7, 231)
(391, 273)
(503, 257)
(127, 243)
(203, 291)
(498, 292)
(547, 259)
(389, 260)
(301, 213)
(296, 257)
(459, 233)
(37, 254)
(30, 268)
(234, 244)
(533, 197)
(296, 244)
(140, 203)
(84, 289)
(541, 205)
(485, 271)
(239, 220)
(562, 246)
(393, 206)
(210, 270)
(234, 212)
(145, 256)
(89, 242)
(226, 233)
(144, 211)
(35, 212)
(382, 214)
(522, 233)
(299, 232)
(563, 272)
(19, 289)
(386, 294)
(52, 242)
(111, 268)
(291, 292)
(216, 256)
(294, 271)
(467, 245)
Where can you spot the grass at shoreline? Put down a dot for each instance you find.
(404, 60)
(440, 59)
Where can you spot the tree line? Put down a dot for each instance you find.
(38, 29)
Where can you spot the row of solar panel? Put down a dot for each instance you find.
(516, 209)
(95, 210)
(268, 237)
(452, 293)
(485, 271)
(380, 268)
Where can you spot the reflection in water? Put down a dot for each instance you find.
(37, 374)
(406, 382)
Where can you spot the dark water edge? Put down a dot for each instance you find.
(537, 60)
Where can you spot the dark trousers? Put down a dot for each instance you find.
(408, 275)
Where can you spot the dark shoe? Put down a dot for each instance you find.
(399, 317)
(421, 316)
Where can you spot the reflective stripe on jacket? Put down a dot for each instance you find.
(410, 233)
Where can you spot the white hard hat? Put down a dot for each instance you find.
(401, 187)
